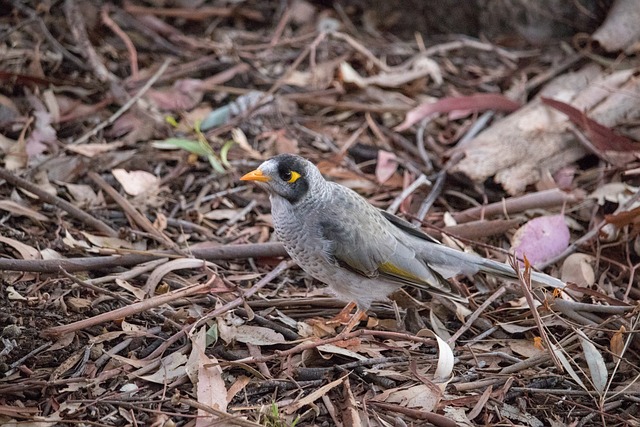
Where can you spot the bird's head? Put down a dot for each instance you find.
(288, 176)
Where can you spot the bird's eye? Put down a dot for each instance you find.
(285, 175)
(289, 176)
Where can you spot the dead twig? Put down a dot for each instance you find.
(340, 337)
(217, 312)
(433, 418)
(199, 14)
(591, 234)
(524, 278)
(132, 212)
(58, 202)
(129, 310)
(125, 107)
(539, 200)
(76, 23)
(472, 318)
(72, 265)
(133, 54)
(223, 418)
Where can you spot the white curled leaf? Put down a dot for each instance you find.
(444, 367)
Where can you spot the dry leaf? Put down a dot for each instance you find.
(577, 268)
(595, 362)
(14, 295)
(206, 374)
(615, 192)
(334, 349)
(83, 195)
(171, 368)
(541, 239)
(420, 396)
(256, 335)
(42, 136)
(107, 242)
(95, 149)
(185, 94)
(17, 209)
(514, 413)
(177, 264)
(25, 251)
(567, 366)
(445, 358)
(313, 396)
(524, 348)
(620, 30)
(617, 342)
(478, 102)
(136, 183)
(386, 166)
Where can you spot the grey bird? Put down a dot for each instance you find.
(362, 253)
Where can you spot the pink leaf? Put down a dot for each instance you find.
(386, 166)
(603, 137)
(478, 102)
(541, 239)
(183, 95)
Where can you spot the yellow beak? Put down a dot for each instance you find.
(255, 175)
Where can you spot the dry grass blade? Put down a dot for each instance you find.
(524, 277)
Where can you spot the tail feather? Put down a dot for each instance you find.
(506, 271)
(450, 262)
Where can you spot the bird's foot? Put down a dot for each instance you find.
(353, 322)
(346, 318)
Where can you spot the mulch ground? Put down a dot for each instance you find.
(142, 284)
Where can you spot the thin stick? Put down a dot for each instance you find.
(217, 312)
(133, 54)
(422, 180)
(58, 202)
(541, 199)
(125, 107)
(129, 310)
(127, 259)
(476, 314)
(591, 234)
(139, 219)
(524, 278)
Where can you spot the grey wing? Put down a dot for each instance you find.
(360, 237)
(407, 227)
(354, 235)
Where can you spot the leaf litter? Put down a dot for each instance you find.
(140, 281)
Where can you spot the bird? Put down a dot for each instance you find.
(362, 253)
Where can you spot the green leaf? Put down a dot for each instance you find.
(223, 153)
(195, 147)
(215, 163)
(212, 335)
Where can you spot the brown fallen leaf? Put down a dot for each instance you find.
(617, 341)
(478, 102)
(602, 137)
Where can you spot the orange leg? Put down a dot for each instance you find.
(344, 316)
(353, 322)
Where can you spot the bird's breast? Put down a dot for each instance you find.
(296, 230)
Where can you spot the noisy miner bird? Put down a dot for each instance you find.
(362, 253)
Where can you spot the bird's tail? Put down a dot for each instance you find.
(450, 262)
(506, 271)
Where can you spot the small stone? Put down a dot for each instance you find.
(11, 331)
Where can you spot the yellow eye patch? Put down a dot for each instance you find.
(294, 177)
